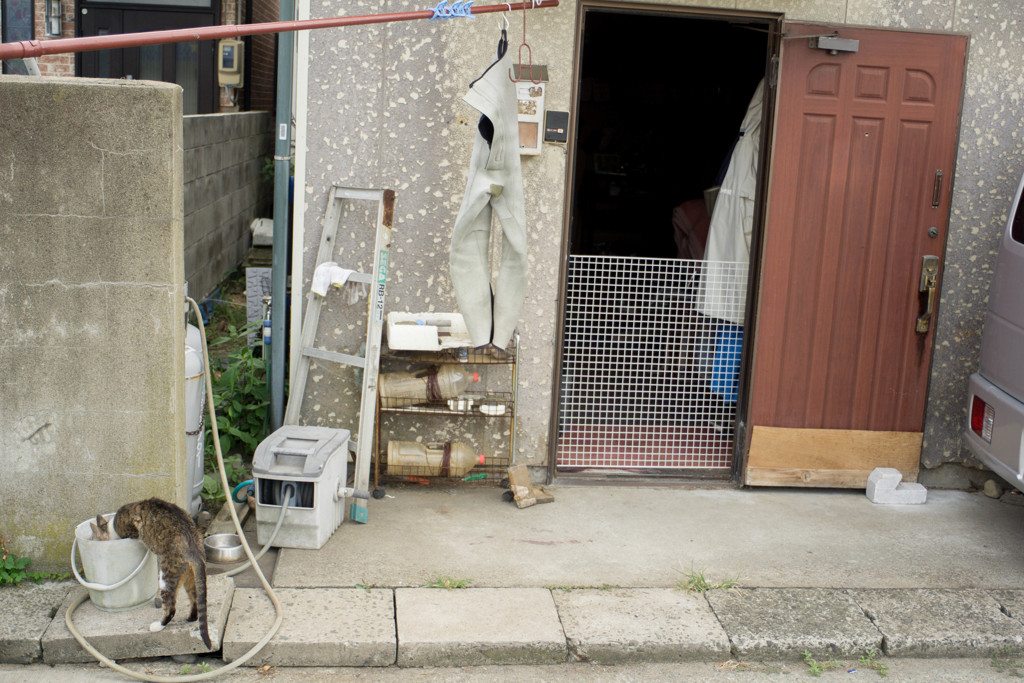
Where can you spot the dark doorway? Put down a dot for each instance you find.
(661, 97)
(190, 65)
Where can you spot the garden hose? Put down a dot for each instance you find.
(234, 491)
(248, 551)
(286, 502)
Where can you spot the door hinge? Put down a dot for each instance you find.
(773, 71)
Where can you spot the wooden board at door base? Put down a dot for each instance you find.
(829, 458)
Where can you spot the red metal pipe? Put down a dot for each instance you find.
(36, 48)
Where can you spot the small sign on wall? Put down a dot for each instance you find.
(556, 126)
(531, 107)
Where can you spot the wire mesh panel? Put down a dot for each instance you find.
(649, 380)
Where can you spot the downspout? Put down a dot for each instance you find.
(282, 173)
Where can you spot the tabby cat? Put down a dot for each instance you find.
(172, 536)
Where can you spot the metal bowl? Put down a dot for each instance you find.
(223, 548)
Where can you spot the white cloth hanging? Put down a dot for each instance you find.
(732, 222)
(331, 274)
(495, 182)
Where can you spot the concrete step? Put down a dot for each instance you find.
(27, 612)
(782, 623)
(126, 634)
(477, 626)
(614, 625)
(433, 627)
(320, 627)
(942, 623)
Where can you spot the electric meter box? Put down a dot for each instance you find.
(231, 63)
(313, 462)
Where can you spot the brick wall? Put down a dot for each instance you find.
(54, 65)
(263, 58)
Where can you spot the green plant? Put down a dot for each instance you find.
(868, 660)
(240, 399)
(817, 668)
(240, 394)
(448, 582)
(1005, 663)
(234, 469)
(694, 580)
(14, 569)
(367, 586)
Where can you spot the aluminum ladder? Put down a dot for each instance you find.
(370, 362)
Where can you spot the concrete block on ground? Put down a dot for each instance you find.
(781, 623)
(126, 634)
(940, 623)
(639, 625)
(478, 626)
(885, 487)
(321, 627)
(27, 610)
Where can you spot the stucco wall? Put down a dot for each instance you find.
(91, 305)
(385, 109)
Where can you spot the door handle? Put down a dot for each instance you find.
(929, 276)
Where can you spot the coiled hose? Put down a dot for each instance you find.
(241, 536)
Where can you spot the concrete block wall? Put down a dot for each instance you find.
(224, 190)
(92, 407)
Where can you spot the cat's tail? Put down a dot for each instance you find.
(199, 568)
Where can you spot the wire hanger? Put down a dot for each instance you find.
(529, 53)
(502, 48)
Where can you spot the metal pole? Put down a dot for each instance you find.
(282, 177)
(37, 48)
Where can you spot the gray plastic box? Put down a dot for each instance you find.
(314, 462)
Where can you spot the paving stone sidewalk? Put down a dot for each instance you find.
(421, 627)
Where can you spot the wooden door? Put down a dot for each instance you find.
(859, 194)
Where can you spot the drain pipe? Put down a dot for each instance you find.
(282, 174)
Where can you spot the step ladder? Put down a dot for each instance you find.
(370, 362)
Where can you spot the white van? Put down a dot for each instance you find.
(995, 423)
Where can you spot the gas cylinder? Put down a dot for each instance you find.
(195, 404)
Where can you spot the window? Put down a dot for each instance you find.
(17, 25)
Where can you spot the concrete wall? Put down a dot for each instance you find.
(384, 109)
(91, 305)
(224, 191)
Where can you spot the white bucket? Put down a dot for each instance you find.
(122, 573)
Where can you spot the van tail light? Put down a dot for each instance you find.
(982, 418)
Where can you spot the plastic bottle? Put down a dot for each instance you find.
(415, 459)
(406, 388)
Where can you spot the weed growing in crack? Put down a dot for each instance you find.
(695, 581)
